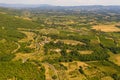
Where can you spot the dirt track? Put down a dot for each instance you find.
(14, 51)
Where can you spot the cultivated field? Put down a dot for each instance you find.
(106, 28)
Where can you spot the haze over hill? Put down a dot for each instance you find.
(23, 5)
(64, 2)
(47, 6)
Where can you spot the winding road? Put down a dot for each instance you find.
(47, 66)
(14, 51)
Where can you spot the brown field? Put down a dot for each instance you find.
(25, 18)
(75, 65)
(86, 52)
(72, 73)
(107, 78)
(106, 28)
(2, 13)
(22, 56)
(115, 58)
(72, 42)
(49, 31)
(30, 36)
(27, 56)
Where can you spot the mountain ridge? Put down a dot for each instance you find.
(48, 5)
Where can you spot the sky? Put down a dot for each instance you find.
(64, 2)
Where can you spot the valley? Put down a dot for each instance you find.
(60, 44)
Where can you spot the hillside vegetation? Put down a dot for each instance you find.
(62, 44)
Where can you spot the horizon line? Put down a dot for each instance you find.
(60, 5)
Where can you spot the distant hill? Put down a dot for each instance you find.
(39, 7)
(53, 6)
(23, 5)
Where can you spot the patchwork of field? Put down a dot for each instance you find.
(75, 70)
(59, 45)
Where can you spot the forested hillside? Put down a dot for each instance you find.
(9, 37)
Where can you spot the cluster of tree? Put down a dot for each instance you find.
(18, 70)
(62, 46)
(24, 48)
(115, 76)
(115, 50)
(96, 55)
(7, 57)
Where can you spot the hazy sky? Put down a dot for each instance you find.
(64, 2)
